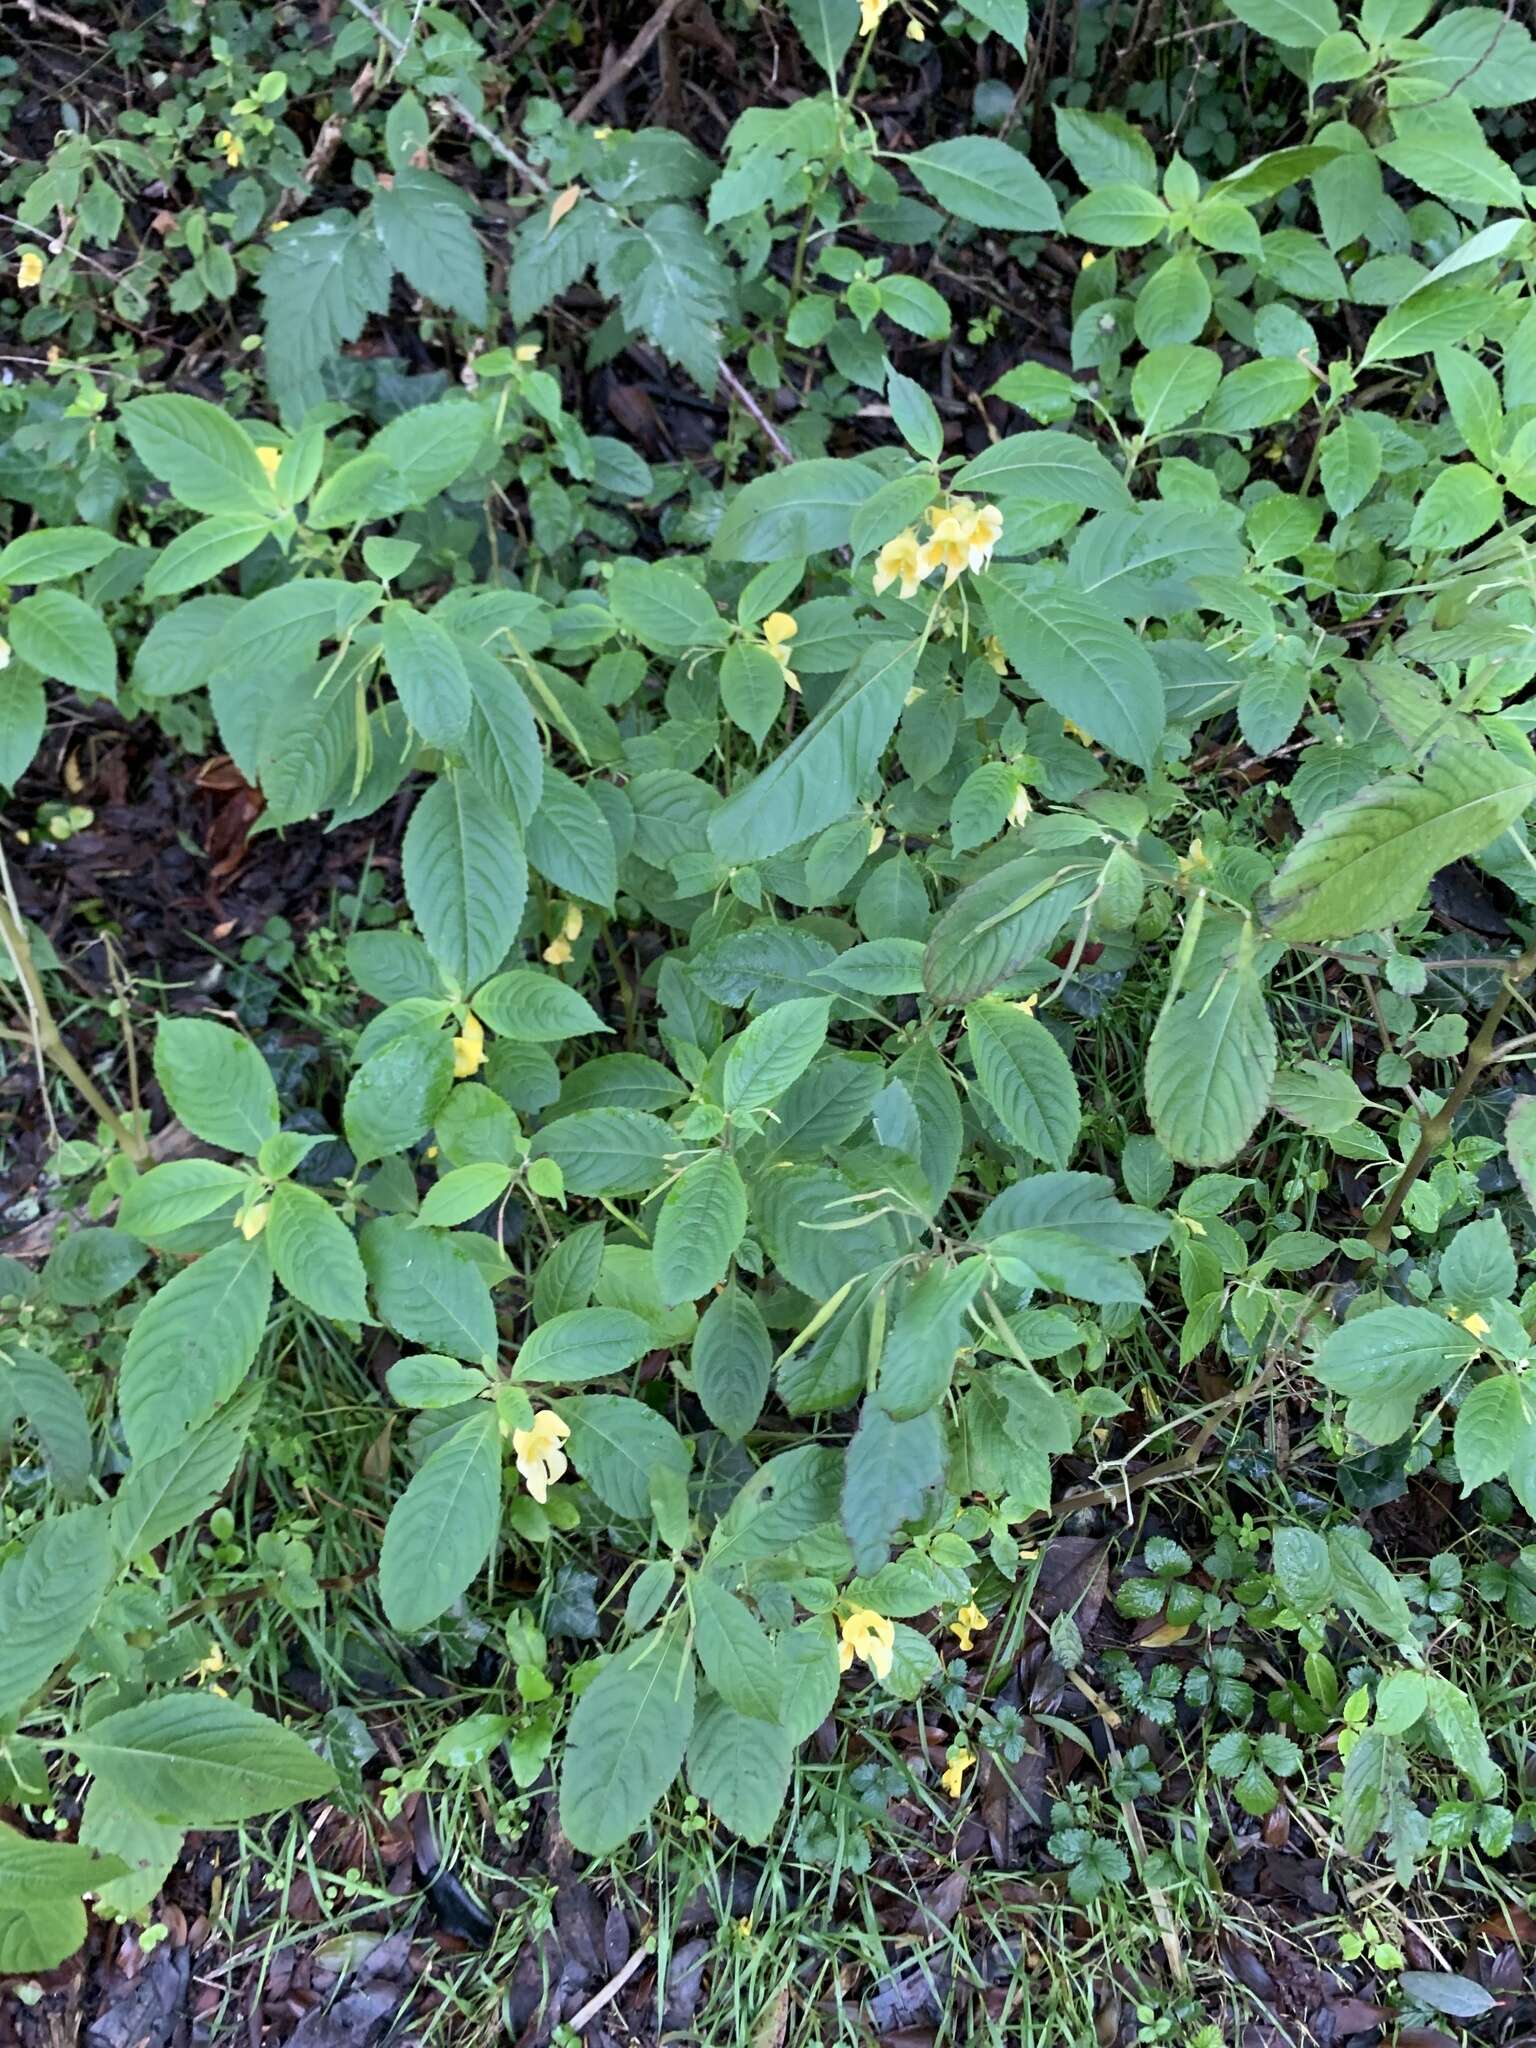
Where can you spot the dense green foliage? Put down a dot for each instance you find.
(879, 923)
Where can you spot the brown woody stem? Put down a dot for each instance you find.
(48, 1040)
(1436, 1129)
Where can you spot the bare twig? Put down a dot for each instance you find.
(456, 106)
(625, 62)
(750, 406)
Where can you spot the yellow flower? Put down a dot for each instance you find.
(778, 630)
(5, 653)
(469, 1048)
(1195, 862)
(232, 146)
(1476, 1324)
(1089, 259)
(1020, 808)
(963, 537)
(213, 1662)
(277, 227)
(527, 352)
(601, 134)
(540, 1459)
(869, 1637)
(916, 33)
(270, 459)
(900, 560)
(992, 654)
(960, 1761)
(557, 952)
(571, 926)
(870, 12)
(967, 1624)
(254, 1221)
(29, 271)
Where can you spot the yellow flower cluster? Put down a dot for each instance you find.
(869, 1637)
(558, 951)
(952, 1778)
(778, 630)
(870, 13)
(232, 146)
(968, 1624)
(540, 1457)
(961, 536)
(469, 1048)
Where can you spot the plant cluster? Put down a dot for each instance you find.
(883, 925)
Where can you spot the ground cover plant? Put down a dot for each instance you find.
(767, 928)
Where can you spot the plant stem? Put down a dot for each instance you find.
(1435, 1130)
(48, 1041)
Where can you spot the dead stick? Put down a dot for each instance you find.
(623, 64)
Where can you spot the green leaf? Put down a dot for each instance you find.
(1349, 465)
(314, 1254)
(801, 510)
(732, 1361)
(570, 841)
(65, 639)
(1491, 1423)
(774, 1050)
(616, 1444)
(701, 1223)
(90, 1266)
(395, 1095)
(925, 1340)
(1294, 24)
(163, 1495)
(1457, 509)
(193, 1344)
(1368, 863)
(182, 1191)
(1090, 668)
(49, 552)
(818, 777)
(462, 1194)
(205, 551)
(1441, 147)
(751, 688)
(206, 457)
(985, 181)
(735, 1652)
(23, 713)
(666, 610)
(534, 1007)
(202, 1760)
(1304, 1568)
(890, 1469)
(216, 1082)
(740, 1768)
(625, 1741)
(674, 286)
(465, 878)
(608, 1151)
(423, 222)
(440, 1531)
(45, 1397)
(1049, 468)
(1103, 149)
(827, 28)
(1170, 384)
(1005, 919)
(1434, 317)
(582, 1344)
(428, 674)
(41, 1918)
(1210, 1069)
(1258, 394)
(321, 280)
(1027, 1079)
(428, 1288)
(1118, 216)
(1384, 1361)
(1520, 1139)
(50, 1590)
